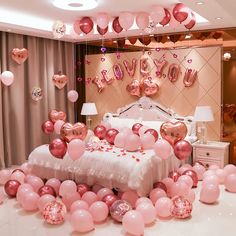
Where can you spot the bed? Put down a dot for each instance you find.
(113, 167)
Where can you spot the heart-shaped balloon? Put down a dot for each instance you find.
(19, 55)
(55, 115)
(134, 88)
(150, 87)
(60, 80)
(173, 132)
(76, 131)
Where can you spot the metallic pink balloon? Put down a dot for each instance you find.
(136, 127)
(180, 12)
(118, 209)
(11, 187)
(102, 31)
(150, 87)
(110, 135)
(181, 208)
(182, 149)
(166, 18)
(47, 189)
(86, 25)
(47, 127)
(83, 188)
(193, 175)
(58, 148)
(192, 22)
(134, 88)
(116, 25)
(152, 132)
(100, 131)
(174, 175)
(160, 185)
(109, 199)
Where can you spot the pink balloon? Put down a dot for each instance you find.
(25, 167)
(5, 175)
(131, 197)
(136, 127)
(132, 143)
(193, 175)
(133, 222)
(90, 197)
(182, 169)
(109, 199)
(69, 198)
(157, 14)
(210, 179)
(209, 193)
(192, 22)
(166, 18)
(208, 173)
(102, 20)
(76, 27)
(174, 24)
(47, 127)
(24, 188)
(44, 200)
(162, 148)
(163, 207)
(111, 135)
(221, 175)
(86, 25)
(147, 141)
(103, 192)
(200, 170)
(116, 25)
(142, 130)
(179, 189)
(100, 131)
(76, 149)
(169, 183)
(67, 186)
(82, 189)
(153, 132)
(79, 205)
(230, 169)
(35, 182)
(72, 96)
(160, 185)
(19, 176)
(187, 180)
(174, 175)
(82, 221)
(30, 201)
(96, 188)
(156, 193)
(180, 12)
(107, 125)
(126, 20)
(142, 20)
(99, 211)
(7, 78)
(57, 126)
(119, 140)
(190, 196)
(148, 211)
(213, 167)
(182, 149)
(125, 130)
(230, 183)
(142, 200)
(55, 183)
(58, 148)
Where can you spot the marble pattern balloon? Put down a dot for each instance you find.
(36, 94)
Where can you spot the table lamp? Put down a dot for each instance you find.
(203, 114)
(89, 109)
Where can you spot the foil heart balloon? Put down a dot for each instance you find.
(134, 88)
(69, 131)
(60, 80)
(173, 132)
(150, 87)
(19, 55)
(190, 77)
(55, 115)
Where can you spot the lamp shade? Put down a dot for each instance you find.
(89, 108)
(203, 114)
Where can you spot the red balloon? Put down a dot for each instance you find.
(47, 189)
(86, 25)
(166, 18)
(11, 187)
(136, 127)
(100, 131)
(174, 175)
(160, 185)
(182, 149)
(152, 132)
(145, 40)
(116, 25)
(102, 31)
(47, 127)
(83, 188)
(192, 22)
(110, 135)
(109, 199)
(193, 175)
(58, 148)
(180, 12)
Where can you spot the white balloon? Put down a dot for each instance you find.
(7, 77)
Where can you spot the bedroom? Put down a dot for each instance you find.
(119, 60)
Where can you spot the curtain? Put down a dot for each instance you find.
(20, 116)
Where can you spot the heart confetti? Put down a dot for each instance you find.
(103, 59)
(189, 61)
(175, 55)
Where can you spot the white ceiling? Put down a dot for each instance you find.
(37, 17)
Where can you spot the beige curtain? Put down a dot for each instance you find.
(20, 116)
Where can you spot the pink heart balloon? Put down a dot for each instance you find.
(60, 80)
(55, 115)
(134, 88)
(19, 55)
(150, 87)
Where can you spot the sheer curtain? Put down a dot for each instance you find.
(20, 116)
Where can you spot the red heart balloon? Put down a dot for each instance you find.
(55, 115)
(19, 55)
(60, 80)
(134, 88)
(173, 132)
(150, 87)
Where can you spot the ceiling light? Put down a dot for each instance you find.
(75, 5)
(227, 56)
(200, 3)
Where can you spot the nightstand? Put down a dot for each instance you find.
(212, 152)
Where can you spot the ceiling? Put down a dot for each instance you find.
(37, 17)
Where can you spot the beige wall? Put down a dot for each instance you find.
(183, 100)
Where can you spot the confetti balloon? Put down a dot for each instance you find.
(181, 208)
(58, 29)
(37, 94)
(54, 213)
(118, 209)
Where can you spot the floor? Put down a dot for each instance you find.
(207, 220)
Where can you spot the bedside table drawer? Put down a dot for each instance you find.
(209, 162)
(209, 153)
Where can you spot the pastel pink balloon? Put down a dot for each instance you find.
(179, 189)
(187, 166)
(142, 20)
(190, 196)
(230, 169)
(211, 179)
(79, 205)
(221, 175)
(119, 140)
(133, 222)
(209, 193)
(103, 192)
(19, 176)
(66, 187)
(57, 126)
(90, 197)
(182, 169)
(157, 193)
(107, 125)
(169, 183)
(125, 130)
(132, 142)
(131, 197)
(69, 198)
(25, 167)
(102, 20)
(187, 180)
(96, 188)
(35, 182)
(213, 167)
(55, 183)
(23, 188)
(147, 141)
(162, 148)
(81, 221)
(143, 200)
(230, 183)
(148, 211)
(200, 170)
(163, 207)
(76, 149)
(43, 200)
(5, 175)
(72, 96)
(126, 20)
(30, 201)
(208, 173)
(99, 211)
(143, 129)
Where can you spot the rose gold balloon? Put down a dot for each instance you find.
(173, 72)
(182, 149)
(76, 131)
(58, 148)
(150, 87)
(134, 88)
(166, 18)
(130, 68)
(190, 77)
(160, 65)
(47, 127)
(174, 175)
(180, 12)
(99, 82)
(102, 31)
(153, 132)
(60, 80)
(47, 189)
(86, 25)
(193, 175)
(136, 127)
(118, 71)
(106, 78)
(55, 115)
(192, 22)
(118, 209)
(181, 208)
(110, 135)
(173, 132)
(83, 188)
(19, 55)
(100, 131)
(116, 25)
(11, 187)
(160, 185)
(109, 199)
